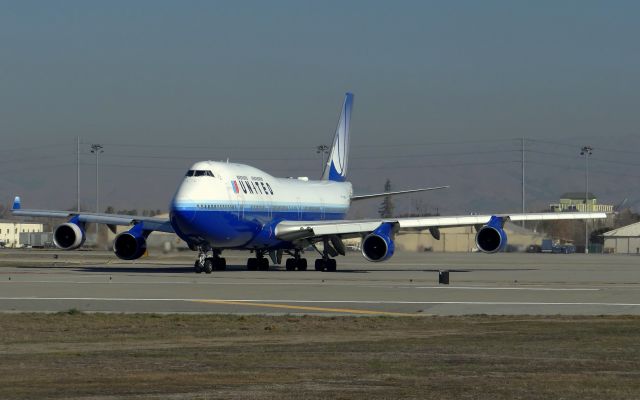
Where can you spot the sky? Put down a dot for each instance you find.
(444, 93)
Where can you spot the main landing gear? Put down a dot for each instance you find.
(296, 263)
(326, 263)
(208, 264)
(258, 263)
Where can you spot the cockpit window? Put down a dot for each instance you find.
(200, 172)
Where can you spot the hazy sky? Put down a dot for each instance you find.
(165, 83)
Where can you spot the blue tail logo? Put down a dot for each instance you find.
(336, 168)
(16, 203)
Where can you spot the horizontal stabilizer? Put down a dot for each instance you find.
(374, 195)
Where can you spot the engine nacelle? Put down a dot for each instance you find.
(68, 236)
(130, 245)
(378, 245)
(491, 238)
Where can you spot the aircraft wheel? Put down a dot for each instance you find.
(208, 266)
(331, 265)
(263, 264)
(302, 264)
(252, 264)
(198, 267)
(320, 265)
(220, 264)
(291, 264)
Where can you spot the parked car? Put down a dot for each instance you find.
(564, 249)
(534, 248)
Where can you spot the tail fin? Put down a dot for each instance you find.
(16, 203)
(336, 167)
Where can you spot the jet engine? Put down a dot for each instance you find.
(68, 236)
(491, 238)
(378, 245)
(130, 245)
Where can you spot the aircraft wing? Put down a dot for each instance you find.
(150, 223)
(298, 230)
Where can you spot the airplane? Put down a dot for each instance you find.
(224, 205)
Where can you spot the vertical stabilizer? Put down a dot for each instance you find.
(336, 167)
(16, 203)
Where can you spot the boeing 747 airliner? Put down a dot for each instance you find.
(222, 205)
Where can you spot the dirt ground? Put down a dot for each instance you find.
(105, 356)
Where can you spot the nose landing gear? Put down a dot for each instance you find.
(208, 264)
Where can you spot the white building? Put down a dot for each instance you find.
(624, 240)
(10, 231)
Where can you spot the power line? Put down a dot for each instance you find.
(31, 148)
(423, 155)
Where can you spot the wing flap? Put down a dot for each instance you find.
(297, 230)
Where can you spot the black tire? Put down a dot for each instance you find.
(252, 264)
(302, 264)
(220, 264)
(332, 266)
(320, 266)
(263, 264)
(291, 264)
(208, 266)
(198, 267)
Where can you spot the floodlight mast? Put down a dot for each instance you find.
(97, 149)
(322, 150)
(586, 151)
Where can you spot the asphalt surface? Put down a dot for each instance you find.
(516, 284)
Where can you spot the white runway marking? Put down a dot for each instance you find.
(505, 303)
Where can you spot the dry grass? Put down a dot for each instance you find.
(104, 356)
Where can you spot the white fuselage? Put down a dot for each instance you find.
(231, 205)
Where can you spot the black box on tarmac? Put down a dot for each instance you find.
(443, 277)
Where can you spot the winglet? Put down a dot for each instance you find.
(16, 203)
(336, 167)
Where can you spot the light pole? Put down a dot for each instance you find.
(97, 150)
(322, 150)
(523, 207)
(78, 172)
(586, 151)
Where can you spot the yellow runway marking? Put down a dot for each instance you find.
(307, 308)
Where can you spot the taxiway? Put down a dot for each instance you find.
(514, 284)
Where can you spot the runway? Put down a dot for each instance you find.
(512, 284)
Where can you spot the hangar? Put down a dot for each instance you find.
(623, 240)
